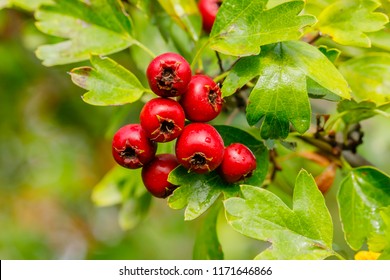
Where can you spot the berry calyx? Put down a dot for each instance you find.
(199, 148)
(162, 119)
(238, 163)
(208, 9)
(131, 148)
(168, 75)
(155, 175)
(202, 102)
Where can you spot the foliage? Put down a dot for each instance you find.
(279, 64)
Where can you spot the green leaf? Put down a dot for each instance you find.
(115, 186)
(346, 22)
(198, 192)
(280, 95)
(186, 14)
(241, 27)
(354, 112)
(368, 77)
(304, 232)
(108, 82)
(207, 246)
(379, 242)
(100, 27)
(331, 53)
(361, 196)
(123, 186)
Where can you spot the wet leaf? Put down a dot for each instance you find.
(280, 95)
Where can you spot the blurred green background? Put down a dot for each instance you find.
(54, 148)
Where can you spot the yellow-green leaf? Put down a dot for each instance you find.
(368, 76)
(347, 22)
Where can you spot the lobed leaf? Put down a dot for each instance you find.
(101, 27)
(304, 232)
(362, 194)
(346, 22)
(107, 82)
(368, 76)
(287, 72)
(197, 192)
(241, 27)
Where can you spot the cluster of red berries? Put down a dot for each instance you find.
(199, 147)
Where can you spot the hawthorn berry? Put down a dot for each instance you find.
(168, 75)
(199, 148)
(131, 148)
(162, 119)
(202, 102)
(155, 175)
(208, 10)
(238, 163)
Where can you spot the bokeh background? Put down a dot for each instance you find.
(54, 149)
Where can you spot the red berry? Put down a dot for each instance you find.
(199, 148)
(162, 119)
(238, 163)
(168, 75)
(155, 175)
(131, 147)
(202, 102)
(208, 9)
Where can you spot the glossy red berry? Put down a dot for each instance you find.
(162, 119)
(199, 148)
(208, 10)
(155, 175)
(168, 75)
(238, 163)
(202, 102)
(131, 148)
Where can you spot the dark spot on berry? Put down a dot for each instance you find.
(167, 126)
(198, 159)
(128, 153)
